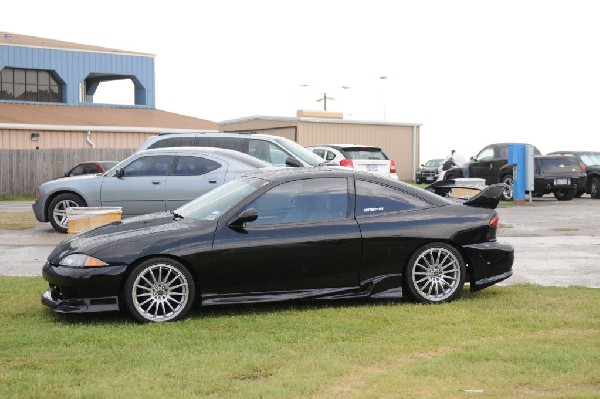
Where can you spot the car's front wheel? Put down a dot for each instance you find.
(565, 194)
(435, 273)
(57, 210)
(159, 289)
(508, 193)
(595, 187)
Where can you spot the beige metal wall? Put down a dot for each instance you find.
(21, 139)
(285, 129)
(396, 141)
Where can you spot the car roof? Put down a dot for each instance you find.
(574, 152)
(205, 150)
(342, 146)
(216, 134)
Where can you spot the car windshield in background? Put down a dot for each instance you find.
(307, 156)
(590, 159)
(363, 153)
(433, 163)
(218, 201)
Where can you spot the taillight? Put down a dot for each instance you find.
(392, 166)
(494, 221)
(582, 166)
(347, 163)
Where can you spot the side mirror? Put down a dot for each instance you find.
(67, 174)
(473, 159)
(293, 162)
(249, 215)
(120, 173)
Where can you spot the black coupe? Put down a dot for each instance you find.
(290, 234)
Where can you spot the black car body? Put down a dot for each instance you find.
(293, 234)
(560, 175)
(429, 171)
(591, 161)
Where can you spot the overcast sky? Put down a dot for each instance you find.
(471, 72)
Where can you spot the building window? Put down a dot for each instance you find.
(29, 85)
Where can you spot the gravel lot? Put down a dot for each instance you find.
(556, 243)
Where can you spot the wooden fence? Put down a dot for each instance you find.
(21, 171)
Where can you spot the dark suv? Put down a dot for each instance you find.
(591, 161)
(491, 164)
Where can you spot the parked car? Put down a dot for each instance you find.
(275, 150)
(359, 157)
(290, 234)
(486, 165)
(591, 163)
(91, 168)
(557, 174)
(429, 171)
(148, 181)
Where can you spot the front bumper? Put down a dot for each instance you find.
(489, 263)
(82, 290)
(38, 211)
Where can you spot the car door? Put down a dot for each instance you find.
(486, 165)
(304, 241)
(141, 188)
(192, 177)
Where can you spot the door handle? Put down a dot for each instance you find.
(155, 181)
(213, 181)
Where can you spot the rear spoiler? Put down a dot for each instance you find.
(489, 197)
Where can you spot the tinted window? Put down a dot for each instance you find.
(486, 153)
(303, 201)
(229, 143)
(78, 170)
(319, 152)
(194, 166)
(375, 199)
(173, 142)
(149, 166)
(363, 153)
(266, 151)
(561, 164)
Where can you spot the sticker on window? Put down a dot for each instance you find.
(365, 210)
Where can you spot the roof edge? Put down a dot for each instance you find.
(315, 120)
(118, 129)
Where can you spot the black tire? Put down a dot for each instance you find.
(580, 192)
(595, 187)
(508, 193)
(537, 194)
(565, 194)
(159, 290)
(434, 274)
(57, 210)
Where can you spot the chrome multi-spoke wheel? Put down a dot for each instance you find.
(159, 290)
(435, 273)
(507, 194)
(58, 210)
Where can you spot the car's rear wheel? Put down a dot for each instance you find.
(580, 192)
(159, 289)
(508, 193)
(565, 194)
(537, 194)
(595, 187)
(57, 210)
(434, 274)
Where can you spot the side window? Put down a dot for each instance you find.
(267, 151)
(173, 142)
(319, 152)
(90, 168)
(330, 156)
(376, 199)
(501, 152)
(77, 170)
(149, 166)
(306, 200)
(194, 166)
(485, 154)
(229, 143)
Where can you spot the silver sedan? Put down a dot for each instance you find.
(148, 181)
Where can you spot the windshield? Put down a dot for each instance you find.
(304, 154)
(590, 159)
(433, 163)
(218, 201)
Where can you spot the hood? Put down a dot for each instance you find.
(132, 235)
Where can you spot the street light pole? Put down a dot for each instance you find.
(383, 78)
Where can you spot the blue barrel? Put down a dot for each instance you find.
(516, 156)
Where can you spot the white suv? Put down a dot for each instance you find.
(359, 157)
(276, 150)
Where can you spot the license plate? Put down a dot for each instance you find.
(372, 168)
(429, 178)
(561, 182)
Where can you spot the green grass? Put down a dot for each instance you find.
(24, 198)
(513, 341)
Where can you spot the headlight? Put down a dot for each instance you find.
(81, 260)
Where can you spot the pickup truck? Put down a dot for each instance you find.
(491, 164)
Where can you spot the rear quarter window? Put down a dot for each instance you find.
(375, 199)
